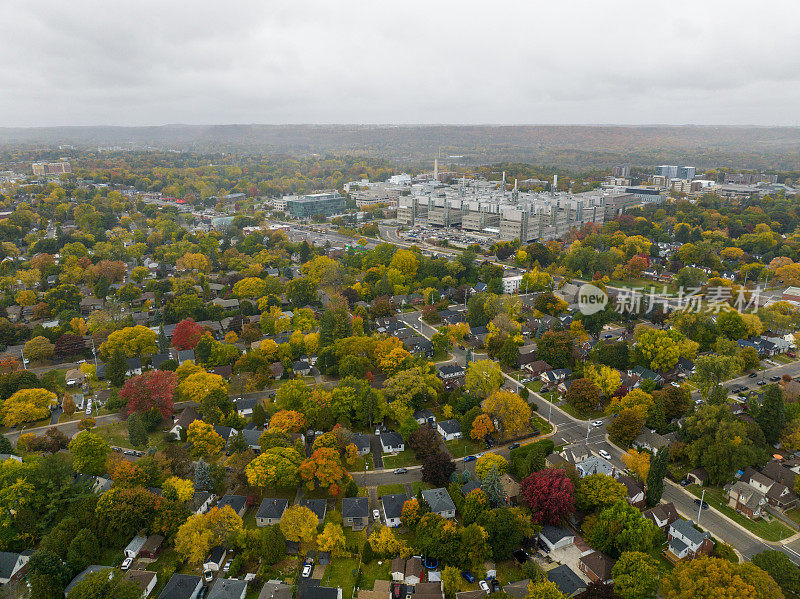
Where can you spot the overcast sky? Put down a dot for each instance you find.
(378, 61)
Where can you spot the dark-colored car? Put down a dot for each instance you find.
(702, 504)
(520, 555)
(761, 383)
(470, 458)
(467, 576)
(774, 379)
(495, 585)
(513, 446)
(753, 375)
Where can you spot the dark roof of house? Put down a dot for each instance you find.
(227, 588)
(392, 439)
(188, 416)
(7, 562)
(246, 403)
(566, 580)
(237, 502)
(271, 508)
(355, 507)
(439, 500)
(152, 543)
(318, 506)
(599, 563)
(180, 586)
(393, 504)
(470, 486)
(320, 592)
(555, 533)
(663, 511)
(88, 570)
(141, 578)
(450, 426)
(158, 359)
(450, 369)
(133, 363)
(216, 555)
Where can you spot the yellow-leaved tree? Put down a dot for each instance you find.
(200, 533)
(204, 439)
(332, 539)
(510, 410)
(179, 489)
(299, 524)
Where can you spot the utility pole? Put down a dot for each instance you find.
(549, 411)
(22, 353)
(700, 509)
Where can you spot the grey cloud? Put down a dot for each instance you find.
(282, 61)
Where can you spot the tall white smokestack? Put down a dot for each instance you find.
(515, 185)
(436, 169)
(504, 180)
(555, 183)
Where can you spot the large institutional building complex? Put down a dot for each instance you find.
(485, 206)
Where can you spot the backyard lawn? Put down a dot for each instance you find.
(418, 486)
(117, 434)
(770, 531)
(341, 573)
(373, 571)
(463, 447)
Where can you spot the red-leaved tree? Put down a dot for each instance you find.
(187, 334)
(154, 389)
(549, 494)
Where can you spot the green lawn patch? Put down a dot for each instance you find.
(463, 447)
(542, 424)
(167, 564)
(770, 531)
(372, 571)
(117, 434)
(392, 489)
(581, 415)
(341, 573)
(418, 486)
(404, 458)
(535, 385)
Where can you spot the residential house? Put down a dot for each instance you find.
(275, 589)
(597, 566)
(270, 511)
(245, 405)
(74, 377)
(635, 491)
(745, 499)
(144, 579)
(252, 436)
(152, 547)
(362, 442)
(470, 486)
(449, 429)
(88, 570)
(398, 569)
(319, 592)
(182, 586)
(777, 494)
(451, 375)
(135, 546)
(595, 465)
(392, 442)
(567, 581)
(555, 537)
(215, 559)
(224, 431)
(413, 571)
(686, 542)
(424, 416)
(535, 369)
(651, 441)
(157, 360)
(685, 367)
(134, 366)
(228, 588)
(355, 512)
(13, 565)
(662, 515)
(440, 502)
(782, 471)
(237, 502)
(301, 367)
(517, 589)
(428, 590)
(698, 476)
(554, 376)
(419, 345)
(511, 487)
(568, 293)
(201, 502)
(318, 506)
(641, 373)
(185, 355)
(184, 419)
(392, 506)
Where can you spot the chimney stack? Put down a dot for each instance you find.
(436, 169)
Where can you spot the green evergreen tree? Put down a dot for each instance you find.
(116, 368)
(493, 488)
(237, 444)
(202, 476)
(137, 432)
(655, 477)
(163, 342)
(259, 416)
(771, 416)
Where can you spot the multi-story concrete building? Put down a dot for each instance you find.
(315, 204)
(50, 169)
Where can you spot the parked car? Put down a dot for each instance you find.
(467, 576)
(470, 458)
(753, 375)
(604, 454)
(484, 586)
(597, 423)
(513, 446)
(208, 575)
(227, 567)
(495, 585)
(774, 379)
(400, 470)
(307, 570)
(376, 515)
(126, 563)
(761, 383)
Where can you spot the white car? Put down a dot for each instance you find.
(597, 423)
(484, 586)
(376, 515)
(307, 571)
(227, 567)
(208, 575)
(604, 454)
(126, 563)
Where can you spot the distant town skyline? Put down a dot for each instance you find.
(619, 62)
